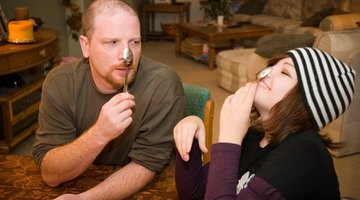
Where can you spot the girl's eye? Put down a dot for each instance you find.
(285, 73)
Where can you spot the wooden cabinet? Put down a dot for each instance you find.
(19, 106)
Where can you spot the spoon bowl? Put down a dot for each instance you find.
(263, 73)
(128, 57)
(128, 61)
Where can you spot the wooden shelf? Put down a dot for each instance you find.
(148, 15)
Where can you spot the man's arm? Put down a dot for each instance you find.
(123, 183)
(66, 162)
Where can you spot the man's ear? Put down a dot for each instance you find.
(84, 43)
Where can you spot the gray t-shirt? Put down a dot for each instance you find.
(70, 104)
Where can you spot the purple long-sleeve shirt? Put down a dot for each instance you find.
(192, 182)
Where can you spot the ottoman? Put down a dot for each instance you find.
(237, 66)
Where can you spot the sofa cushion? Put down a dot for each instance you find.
(284, 8)
(315, 19)
(301, 30)
(252, 7)
(311, 7)
(276, 22)
(274, 44)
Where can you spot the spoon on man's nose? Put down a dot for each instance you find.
(128, 61)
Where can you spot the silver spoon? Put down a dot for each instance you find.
(263, 73)
(128, 61)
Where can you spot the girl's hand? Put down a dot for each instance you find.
(235, 114)
(184, 133)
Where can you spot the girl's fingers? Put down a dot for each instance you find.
(202, 141)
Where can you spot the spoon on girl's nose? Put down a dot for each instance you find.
(263, 73)
(128, 61)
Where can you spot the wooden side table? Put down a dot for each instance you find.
(19, 106)
(149, 10)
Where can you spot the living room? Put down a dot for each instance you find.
(190, 71)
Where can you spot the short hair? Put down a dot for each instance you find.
(101, 7)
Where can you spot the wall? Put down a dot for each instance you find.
(53, 12)
(74, 48)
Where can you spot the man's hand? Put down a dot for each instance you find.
(114, 117)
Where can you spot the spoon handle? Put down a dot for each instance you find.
(125, 89)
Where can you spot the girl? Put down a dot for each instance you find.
(269, 143)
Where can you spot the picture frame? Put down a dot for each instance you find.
(3, 25)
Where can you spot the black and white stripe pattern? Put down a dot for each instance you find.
(326, 84)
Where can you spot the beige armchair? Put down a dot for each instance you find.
(346, 129)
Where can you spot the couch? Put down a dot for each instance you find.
(293, 16)
(345, 46)
(236, 67)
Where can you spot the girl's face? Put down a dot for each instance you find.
(274, 86)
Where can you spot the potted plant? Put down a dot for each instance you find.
(214, 8)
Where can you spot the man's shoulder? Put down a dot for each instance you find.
(67, 70)
(150, 66)
(156, 70)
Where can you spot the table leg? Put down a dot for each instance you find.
(181, 17)
(178, 40)
(152, 21)
(211, 54)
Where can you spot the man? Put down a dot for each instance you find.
(85, 117)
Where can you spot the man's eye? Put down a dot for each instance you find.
(135, 42)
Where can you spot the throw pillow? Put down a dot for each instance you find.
(315, 20)
(252, 7)
(279, 43)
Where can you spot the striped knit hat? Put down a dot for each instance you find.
(326, 84)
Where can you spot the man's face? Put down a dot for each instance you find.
(112, 33)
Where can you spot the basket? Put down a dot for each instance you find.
(169, 29)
